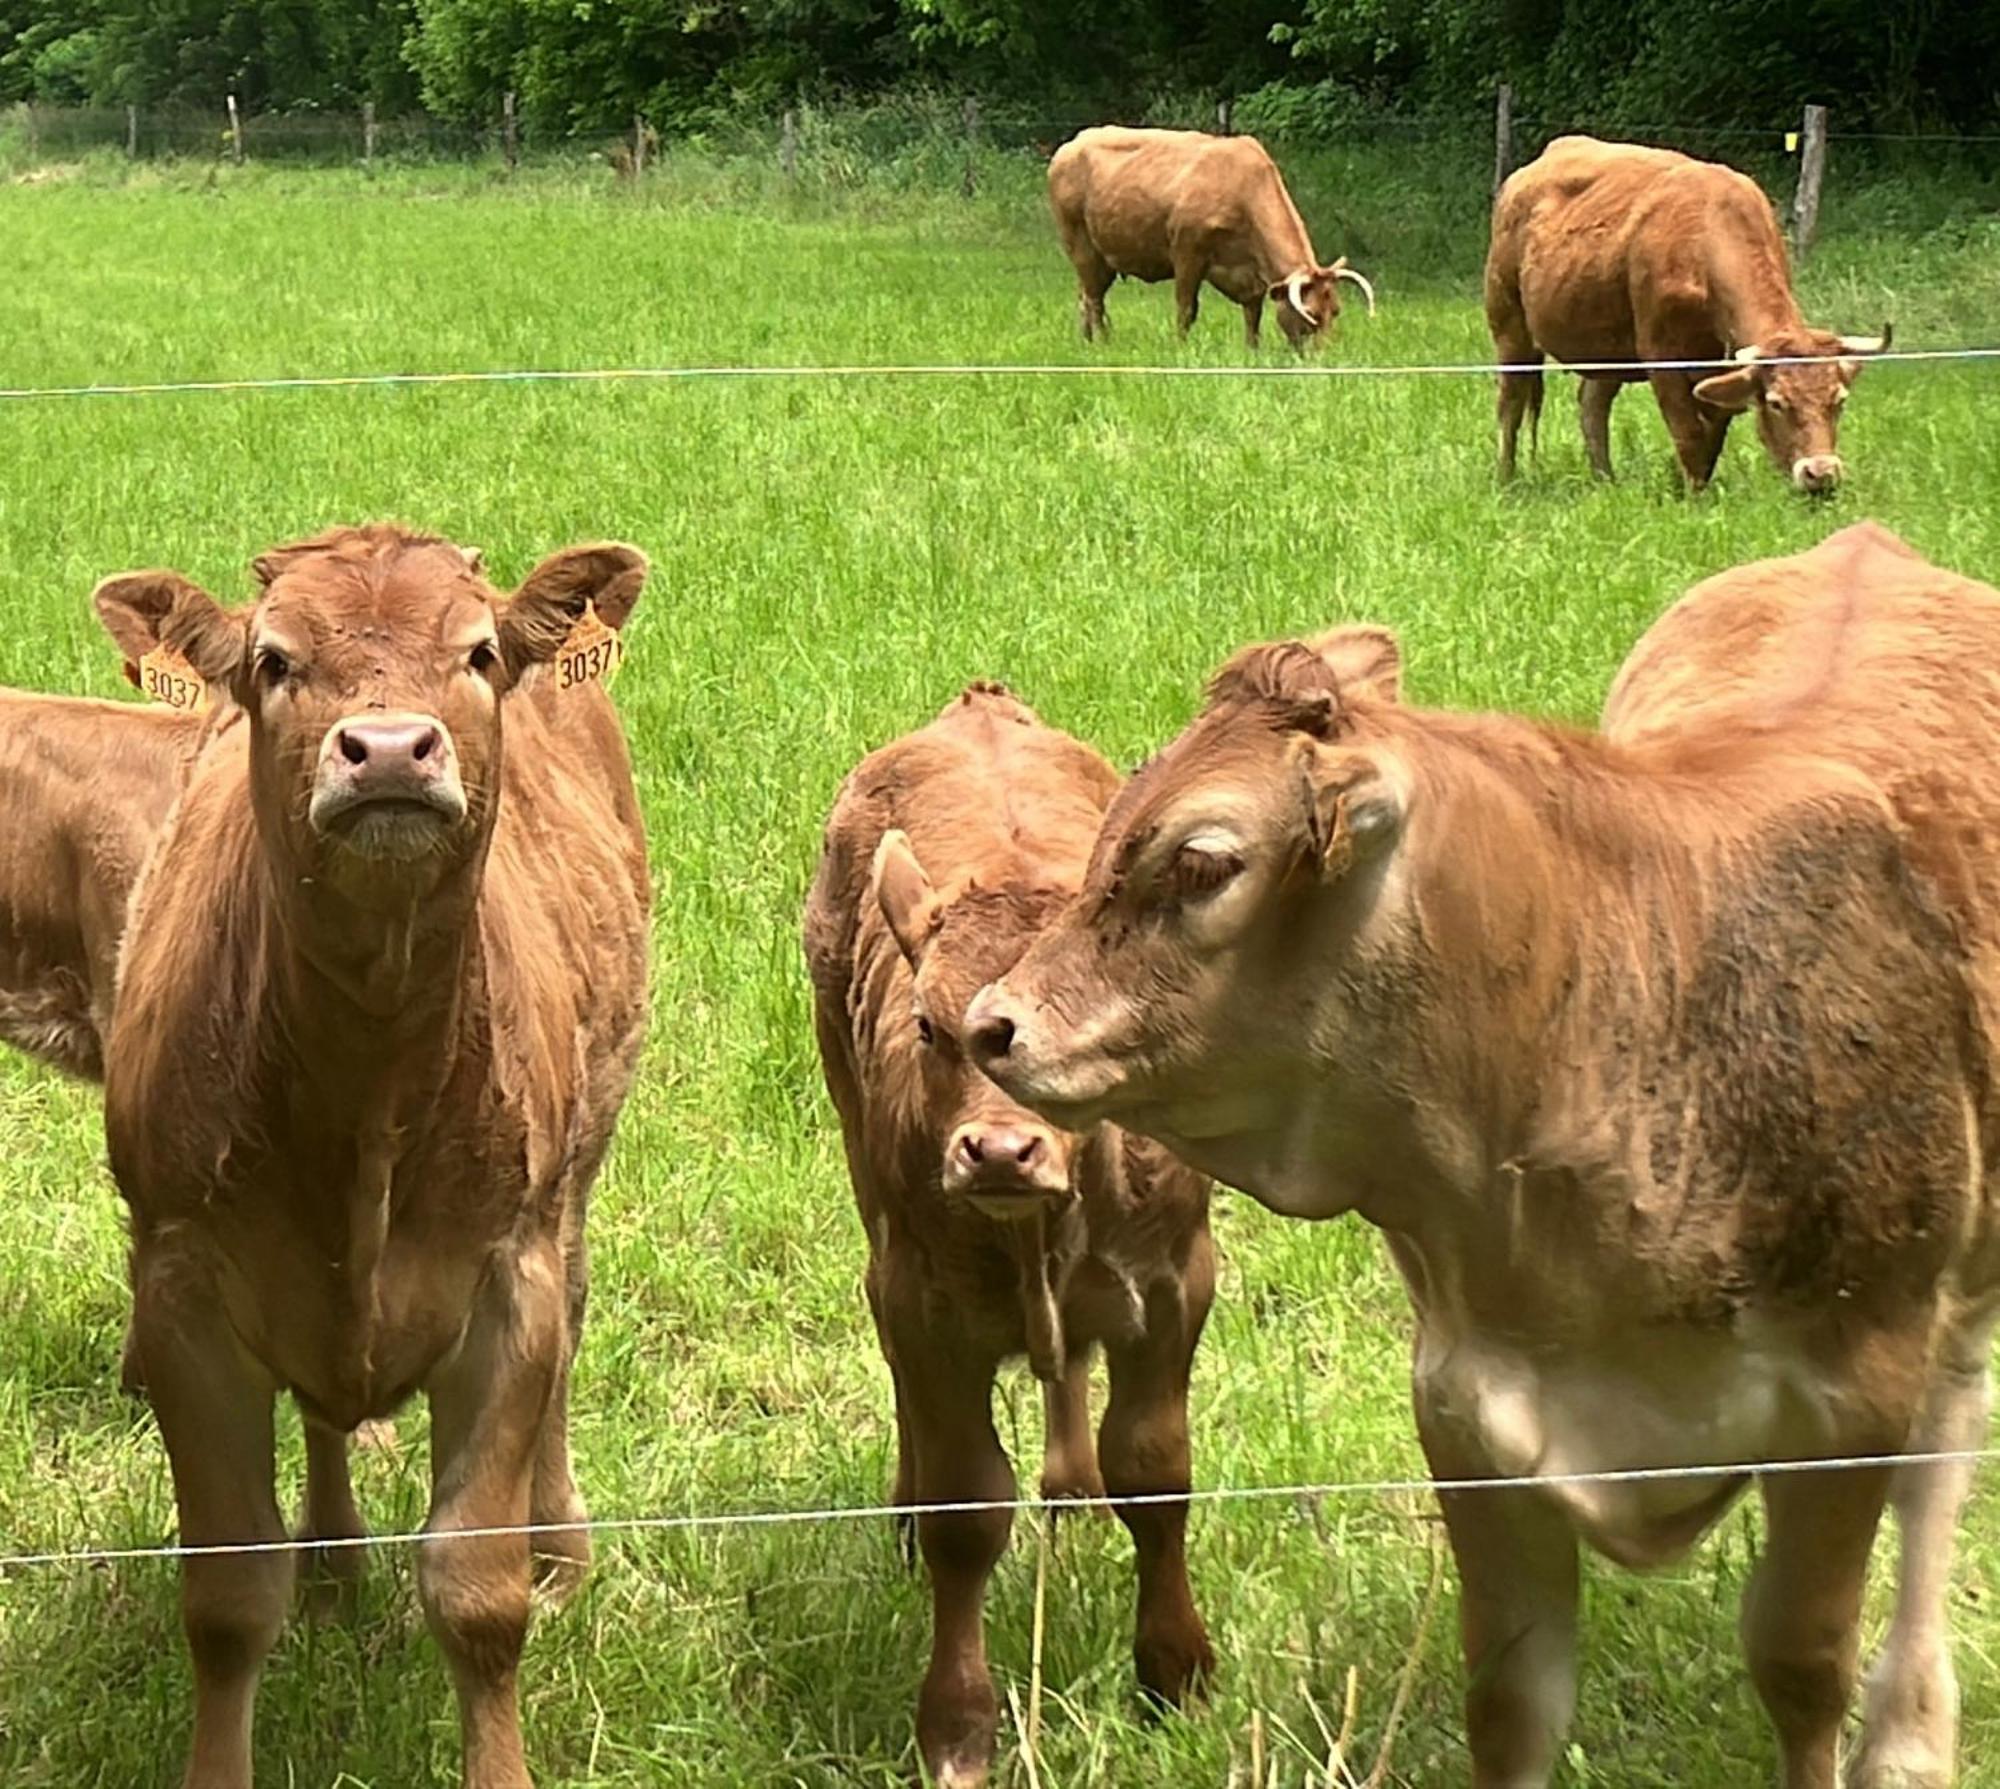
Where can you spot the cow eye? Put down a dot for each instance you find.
(485, 656)
(1199, 872)
(926, 1031)
(1776, 401)
(273, 667)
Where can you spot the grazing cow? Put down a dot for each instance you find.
(1180, 205)
(990, 1234)
(1664, 1057)
(84, 788)
(379, 1000)
(1608, 251)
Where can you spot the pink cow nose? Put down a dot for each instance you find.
(402, 749)
(1003, 1147)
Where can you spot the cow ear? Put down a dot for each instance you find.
(1732, 391)
(1357, 810)
(145, 610)
(897, 882)
(537, 618)
(1366, 659)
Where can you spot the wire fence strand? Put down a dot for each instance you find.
(1218, 1494)
(1631, 369)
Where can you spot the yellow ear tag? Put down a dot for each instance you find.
(166, 676)
(591, 654)
(1791, 142)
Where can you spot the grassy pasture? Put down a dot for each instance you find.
(832, 562)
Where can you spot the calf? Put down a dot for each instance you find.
(990, 1234)
(1180, 205)
(1664, 1058)
(380, 997)
(1607, 251)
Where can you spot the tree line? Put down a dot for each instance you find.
(582, 66)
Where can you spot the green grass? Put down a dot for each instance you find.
(832, 561)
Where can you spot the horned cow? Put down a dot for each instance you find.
(1612, 252)
(1181, 205)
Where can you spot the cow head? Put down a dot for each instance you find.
(1798, 405)
(1309, 300)
(993, 1153)
(374, 667)
(1169, 996)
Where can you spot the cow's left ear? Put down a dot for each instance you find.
(537, 618)
(1732, 391)
(1367, 660)
(145, 610)
(902, 889)
(1357, 809)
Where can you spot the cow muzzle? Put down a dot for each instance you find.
(1007, 1167)
(1818, 475)
(387, 785)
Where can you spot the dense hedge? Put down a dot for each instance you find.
(588, 64)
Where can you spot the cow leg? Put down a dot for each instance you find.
(1594, 398)
(1253, 321)
(1069, 1455)
(1094, 282)
(562, 1557)
(1144, 1449)
(959, 1460)
(1517, 1574)
(214, 1408)
(1187, 295)
(1696, 444)
(1802, 1611)
(329, 1514)
(903, 1484)
(1520, 393)
(1909, 1734)
(487, 1407)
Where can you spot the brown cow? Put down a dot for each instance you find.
(379, 1000)
(1612, 252)
(84, 788)
(1663, 1057)
(989, 1234)
(1180, 205)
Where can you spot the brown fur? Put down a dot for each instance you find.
(1609, 251)
(1000, 811)
(1663, 1056)
(1180, 205)
(355, 1102)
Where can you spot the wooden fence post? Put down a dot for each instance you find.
(1503, 137)
(971, 146)
(510, 136)
(34, 130)
(638, 144)
(131, 133)
(1812, 171)
(1225, 117)
(235, 131)
(367, 133)
(788, 144)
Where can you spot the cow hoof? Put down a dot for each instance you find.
(1174, 1671)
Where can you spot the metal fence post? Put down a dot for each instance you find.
(788, 144)
(235, 131)
(1503, 137)
(971, 146)
(510, 139)
(367, 133)
(1812, 171)
(1225, 118)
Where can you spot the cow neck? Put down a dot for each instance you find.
(1754, 301)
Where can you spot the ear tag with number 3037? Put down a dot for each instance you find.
(166, 676)
(591, 654)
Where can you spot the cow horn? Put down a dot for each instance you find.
(1295, 290)
(1869, 344)
(1341, 271)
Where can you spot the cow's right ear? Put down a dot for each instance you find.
(1367, 660)
(145, 610)
(1731, 392)
(537, 618)
(900, 888)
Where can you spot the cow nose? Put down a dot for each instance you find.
(403, 747)
(1002, 1146)
(1818, 474)
(989, 1027)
